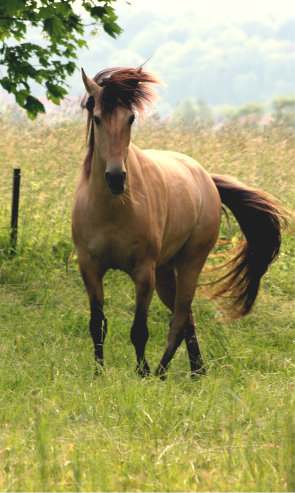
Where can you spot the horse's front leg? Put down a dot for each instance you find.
(92, 277)
(98, 329)
(144, 283)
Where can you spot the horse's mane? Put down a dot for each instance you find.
(123, 87)
(127, 87)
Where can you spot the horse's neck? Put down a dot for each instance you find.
(97, 185)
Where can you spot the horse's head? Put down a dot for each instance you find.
(114, 95)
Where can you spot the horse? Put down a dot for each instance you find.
(156, 216)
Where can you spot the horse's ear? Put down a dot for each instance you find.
(90, 86)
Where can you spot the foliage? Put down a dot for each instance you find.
(232, 430)
(52, 61)
(192, 111)
(250, 109)
(284, 110)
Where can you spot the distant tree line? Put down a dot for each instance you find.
(280, 109)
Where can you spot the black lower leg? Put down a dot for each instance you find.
(139, 336)
(168, 354)
(193, 350)
(98, 330)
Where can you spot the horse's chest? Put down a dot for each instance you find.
(114, 248)
(113, 237)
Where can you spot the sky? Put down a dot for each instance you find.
(216, 8)
(206, 11)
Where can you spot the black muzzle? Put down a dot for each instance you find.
(115, 181)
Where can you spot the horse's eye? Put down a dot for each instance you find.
(90, 104)
(131, 119)
(97, 120)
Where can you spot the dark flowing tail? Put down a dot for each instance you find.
(259, 217)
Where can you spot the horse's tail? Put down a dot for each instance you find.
(259, 217)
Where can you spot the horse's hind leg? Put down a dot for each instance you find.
(193, 348)
(166, 285)
(182, 323)
(144, 284)
(166, 289)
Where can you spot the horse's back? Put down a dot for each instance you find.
(185, 179)
(181, 170)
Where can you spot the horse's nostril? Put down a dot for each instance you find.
(115, 181)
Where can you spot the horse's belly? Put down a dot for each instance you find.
(172, 244)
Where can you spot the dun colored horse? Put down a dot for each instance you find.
(156, 215)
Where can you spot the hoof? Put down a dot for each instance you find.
(143, 370)
(195, 374)
(98, 370)
(161, 373)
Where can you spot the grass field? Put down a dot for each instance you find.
(61, 430)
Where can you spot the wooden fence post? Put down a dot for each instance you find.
(14, 210)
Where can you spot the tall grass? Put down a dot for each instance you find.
(63, 431)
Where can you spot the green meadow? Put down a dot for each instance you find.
(62, 430)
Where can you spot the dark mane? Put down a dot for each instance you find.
(125, 87)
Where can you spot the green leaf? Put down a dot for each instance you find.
(33, 107)
(97, 12)
(8, 84)
(112, 29)
(11, 7)
(81, 43)
(44, 13)
(21, 96)
(55, 92)
(63, 8)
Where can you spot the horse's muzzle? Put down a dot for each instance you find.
(115, 180)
